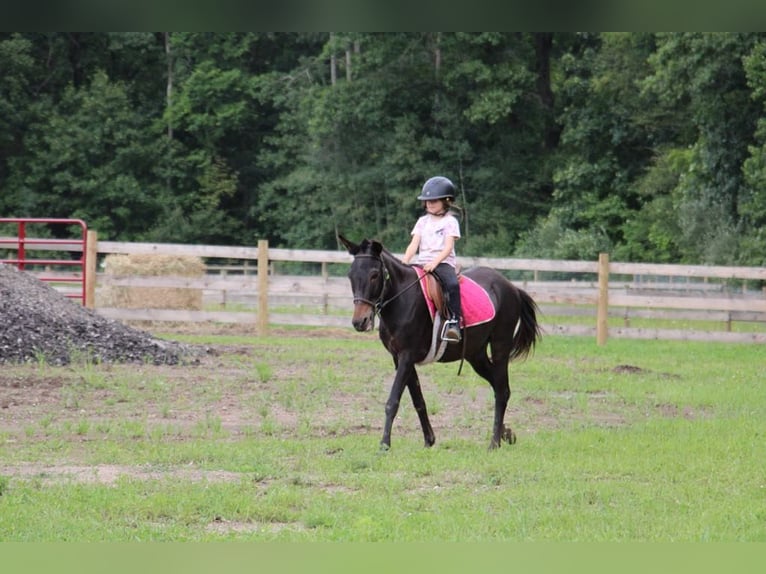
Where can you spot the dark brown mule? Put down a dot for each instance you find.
(383, 285)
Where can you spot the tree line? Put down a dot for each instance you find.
(649, 146)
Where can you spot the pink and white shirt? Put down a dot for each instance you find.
(432, 231)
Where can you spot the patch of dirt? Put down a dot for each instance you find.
(630, 369)
(40, 324)
(674, 411)
(633, 370)
(222, 526)
(109, 474)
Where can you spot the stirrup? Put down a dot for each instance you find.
(451, 331)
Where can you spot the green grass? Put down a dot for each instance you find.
(633, 441)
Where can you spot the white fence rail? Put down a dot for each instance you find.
(237, 292)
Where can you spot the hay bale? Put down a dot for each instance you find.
(151, 297)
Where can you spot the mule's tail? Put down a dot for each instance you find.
(527, 331)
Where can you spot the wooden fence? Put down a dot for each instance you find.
(590, 298)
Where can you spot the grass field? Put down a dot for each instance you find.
(276, 438)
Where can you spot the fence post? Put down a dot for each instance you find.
(89, 270)
(602, 314)
(263, 286)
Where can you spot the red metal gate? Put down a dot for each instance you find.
(25, 241)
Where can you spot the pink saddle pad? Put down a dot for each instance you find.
(474, 299)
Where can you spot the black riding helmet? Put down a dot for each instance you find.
(437, 187)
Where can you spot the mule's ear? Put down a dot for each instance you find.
(352, 248)
(376, 247)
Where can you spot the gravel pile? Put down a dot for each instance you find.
(37, 323)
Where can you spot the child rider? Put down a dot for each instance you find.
(433, 239)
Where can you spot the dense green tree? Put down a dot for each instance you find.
(656, 131)
(605, 145)
(87, 159)
(16, 67)
(752, 207)
(704, 75)
(649, 146)
(217, 124)
(400, 108)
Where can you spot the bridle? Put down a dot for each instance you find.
(379, 302)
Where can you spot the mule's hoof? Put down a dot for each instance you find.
(509, 436)
(384, 447)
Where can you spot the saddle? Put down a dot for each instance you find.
(436, 294)
(475, 301)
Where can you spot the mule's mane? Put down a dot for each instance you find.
(371, 247)
(368, 246)
(387, 253)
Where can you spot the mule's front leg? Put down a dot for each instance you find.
(420, 407)
(404, 371)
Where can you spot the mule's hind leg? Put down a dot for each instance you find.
(502, 395)
(496, 373)
(413, 384)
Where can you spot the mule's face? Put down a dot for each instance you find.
(367, 276)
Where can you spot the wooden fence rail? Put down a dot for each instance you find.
(601, 289)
